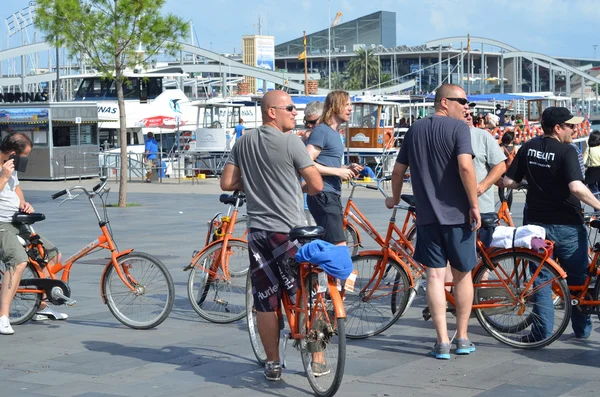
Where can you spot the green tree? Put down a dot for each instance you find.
(367, 63)
(107, 32)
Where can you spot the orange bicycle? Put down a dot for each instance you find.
(354, 217)
(136, 287)
(217, 281)
(316, 319)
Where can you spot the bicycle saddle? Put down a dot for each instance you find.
(410, 200)
(489, 219)
(305, 233)
(595, 224)
(27, 219)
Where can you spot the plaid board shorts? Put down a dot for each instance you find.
(273, 268)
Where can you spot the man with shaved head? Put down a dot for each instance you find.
(439, 153)
(266, 163)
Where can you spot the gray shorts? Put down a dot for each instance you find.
(12, 251)
(439, 244)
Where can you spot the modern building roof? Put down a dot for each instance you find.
(373, 30)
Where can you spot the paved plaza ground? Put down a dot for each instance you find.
(92, 354)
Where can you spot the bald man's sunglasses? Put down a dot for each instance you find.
(288, 108)
(462, 101)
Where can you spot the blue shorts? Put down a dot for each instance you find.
(438, 244)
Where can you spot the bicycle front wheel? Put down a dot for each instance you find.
(372, 308)
(217, 291)
(323, 347)
(521, 313)
(255, 340)
(24, 304)
(150, 301)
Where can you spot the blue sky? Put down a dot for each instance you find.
(552, 27)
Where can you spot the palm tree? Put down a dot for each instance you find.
(365, 61)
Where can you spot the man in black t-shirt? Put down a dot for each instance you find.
(501, 112)
(551, 166)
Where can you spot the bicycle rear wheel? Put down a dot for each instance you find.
(370, 314)
(151, 300)
(255, 341)
(24, 305)
(523, 317)
(351, 239)
(214, 295)
(323, 348)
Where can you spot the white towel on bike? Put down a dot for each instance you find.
(503, 236)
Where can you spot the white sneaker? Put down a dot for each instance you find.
(48, 312)
(5, 328)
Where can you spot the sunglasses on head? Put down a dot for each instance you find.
(310, 122)
(462, 101)
(288, 108)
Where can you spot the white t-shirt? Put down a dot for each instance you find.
(9, 201)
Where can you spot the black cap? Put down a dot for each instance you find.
(472, 104)
(498, 106)
(558, 115)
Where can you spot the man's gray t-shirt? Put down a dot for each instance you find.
(431, 148)
(269, 161)
(332, 152)
(488, 154)
(9, 201)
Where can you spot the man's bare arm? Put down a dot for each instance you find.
(232, 178)
(313, 183)
(467, 176)
(492, 176)
(397, 182)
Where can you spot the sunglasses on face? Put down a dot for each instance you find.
(310, 122)
(288, 108)
(462, 101)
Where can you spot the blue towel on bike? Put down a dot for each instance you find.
(334, 259)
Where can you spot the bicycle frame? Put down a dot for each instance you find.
(504, 214)
(104, 241)
(222, 258)
(505, 281)
(293, 311)
(351, 212)
(579, 293)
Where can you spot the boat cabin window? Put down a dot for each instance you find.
(112, 137)
(534, 110)
(221, 117)
(364, 115)
(386, 117)
(134, 88)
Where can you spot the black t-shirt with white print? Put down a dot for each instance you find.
(549, 166)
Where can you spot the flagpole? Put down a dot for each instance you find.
(305, 68)
(329, 42)
(469, 70)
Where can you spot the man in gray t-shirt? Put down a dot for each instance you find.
(266, 164)
(489, 164)
(439, 153)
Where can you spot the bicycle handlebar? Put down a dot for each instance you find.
(95, 190)
(59, 194)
